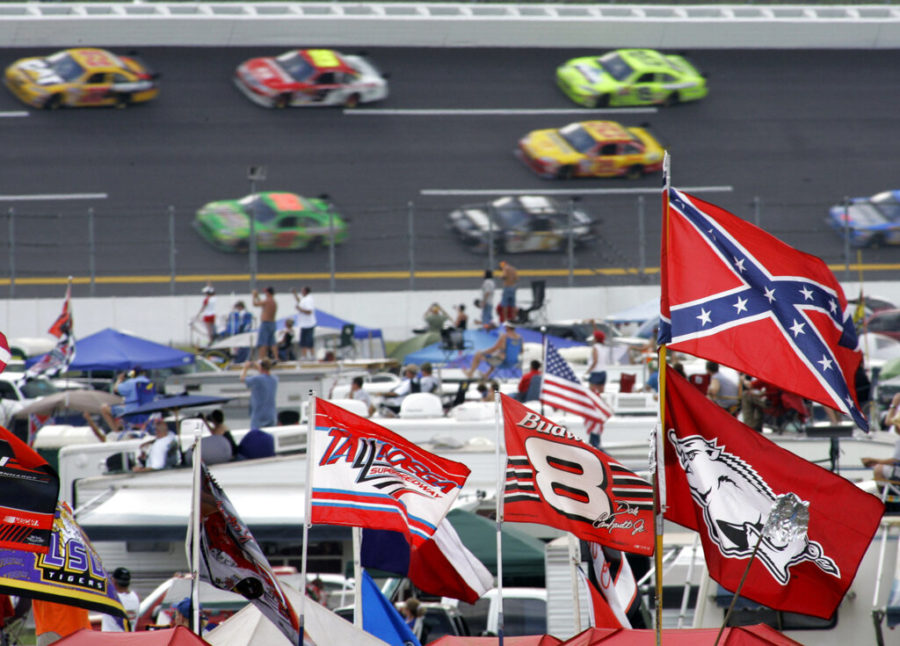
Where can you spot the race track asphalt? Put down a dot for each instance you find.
(795, 131)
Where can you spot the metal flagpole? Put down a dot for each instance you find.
(307, 514)
(357, 576)
(659, 503)
(196, 515)
(574, 558)
(544, 363)
(501, 471)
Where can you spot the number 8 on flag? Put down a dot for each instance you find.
(555, 479)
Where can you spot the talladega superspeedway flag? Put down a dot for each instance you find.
(721, 480)
(29, 488)
(70, 573)
(363, 475)
(231, 559)
(555, 479)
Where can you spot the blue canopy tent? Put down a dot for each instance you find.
(360, 332)
(637, 313)
(475, 340)
(110, 349)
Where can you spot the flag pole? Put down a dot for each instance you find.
(659, 434)
(543, 363)
(196, 514)
(574, 558)
(310, 456)
(356, 533)
(499, 512)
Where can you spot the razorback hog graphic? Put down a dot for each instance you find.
(736, 502)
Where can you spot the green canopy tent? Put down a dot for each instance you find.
(413, 344)
(523, 555)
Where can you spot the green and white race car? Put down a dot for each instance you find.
(628, 77)
(284, 221)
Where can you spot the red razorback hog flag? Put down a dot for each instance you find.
(367, 476)
(553, 478)
(730, 289)
(722, 479)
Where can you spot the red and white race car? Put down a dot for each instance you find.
(310, 77)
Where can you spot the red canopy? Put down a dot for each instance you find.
(528, 640)
(178, 636)
(759, 635)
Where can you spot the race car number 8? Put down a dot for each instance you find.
(571, 479)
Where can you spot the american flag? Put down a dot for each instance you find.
(561, 389)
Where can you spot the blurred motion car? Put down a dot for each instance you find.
(520, 224)
(628, 77)
(869, 221)
(80, 77)
(886, 322)
(591, 149)
(283, 221)
(311, 77)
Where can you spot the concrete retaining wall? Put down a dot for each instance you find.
(449, 25)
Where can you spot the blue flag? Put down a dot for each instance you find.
(381, 619)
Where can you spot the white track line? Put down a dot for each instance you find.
(53, 196)
(17, 113)
(572, 191)
(477, 112)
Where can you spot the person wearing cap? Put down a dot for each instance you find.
(601, 357)
(163, 452)
(135, 388)
(410, 384)
(130, 601)
(505, 350)
(207, 313)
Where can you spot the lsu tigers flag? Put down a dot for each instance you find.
(29, 489)
(70, 573)
(729, 288)
(721, 481)
(553, 478)
(363, 475)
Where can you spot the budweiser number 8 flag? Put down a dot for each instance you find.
(553, 478)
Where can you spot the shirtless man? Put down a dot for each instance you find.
(266, 340)
(509, 276)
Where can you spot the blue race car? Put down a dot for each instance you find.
(869, 221)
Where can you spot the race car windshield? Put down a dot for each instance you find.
(295, 65)
(616, 67)
(888, 205)
(259, 208)
(509, 214)
(578, 138)
(66, 67)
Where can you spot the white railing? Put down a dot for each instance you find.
(450, 25)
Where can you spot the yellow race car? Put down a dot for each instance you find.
(591, 149)
(79, 77)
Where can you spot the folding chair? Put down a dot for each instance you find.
(347, 342)
(538, 303)
(626, 382)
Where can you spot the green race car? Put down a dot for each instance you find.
(626, 77)
(283, 221)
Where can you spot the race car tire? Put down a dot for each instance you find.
(877, 242)
(565, 172)
(242, 246)
(602, 101)
(54, 102)
(123, 100)
(635, 172)
(352, 101)
(282, 101)
(672, 100)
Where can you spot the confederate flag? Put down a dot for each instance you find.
(722, 479)
(736, 295)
